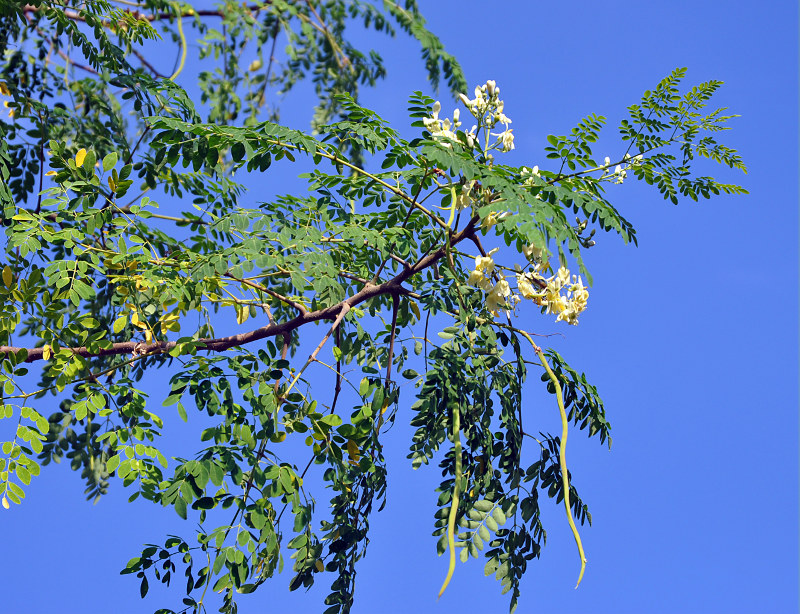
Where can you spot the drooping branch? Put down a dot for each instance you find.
(151, 17)
(220, 344)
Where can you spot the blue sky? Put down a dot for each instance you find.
(691, 339)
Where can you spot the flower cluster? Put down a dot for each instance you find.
(442, 127)
(528, 174)
(492, 282)
(487, 108)
(633, 160)
(567, 306)
(556, 294)
(620, 172)
(481, 277)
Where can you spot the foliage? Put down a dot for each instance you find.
(100, 287)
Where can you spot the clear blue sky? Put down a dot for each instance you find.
(691, 338)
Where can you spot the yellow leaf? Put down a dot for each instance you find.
(319, 565)
(254, 65)
(414, 309)
(4, 89)
(51, 173)
(111, 184)
(5, 502)
(46, 352)
(242, 313)
(8, 276)
(80, 157)
(119, 323)
(136, 321)
(353, 451)
(169, 322)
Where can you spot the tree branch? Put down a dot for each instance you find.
(220, 344)
(151, 17)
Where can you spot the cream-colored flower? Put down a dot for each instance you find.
(492, 219)
(568, 315)
(556, 303)
(506, 140)
(579, 294)
(633, 161)
(471, 136)
(499, 116)
(497, 296)
(481, 277)
(525, 287)
(533, 252)
(464, 199)
(440, 127)
(567, 308)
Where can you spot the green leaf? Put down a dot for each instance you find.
(110, 160)
(180, 507)
(499, 516)
(483, 505)
(112, 463)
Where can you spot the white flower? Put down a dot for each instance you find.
(432, 121)
(532, 252)
(525, 287)
(439, 127)
(507, 140)
(464, 199)
(607, 161)
(492, 219)
(481, 276)
(497, 296)
(569, 307)
(633, 161)
(470, 136)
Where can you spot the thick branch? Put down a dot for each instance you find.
(220, 344)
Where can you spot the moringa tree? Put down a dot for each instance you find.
(386, 249)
